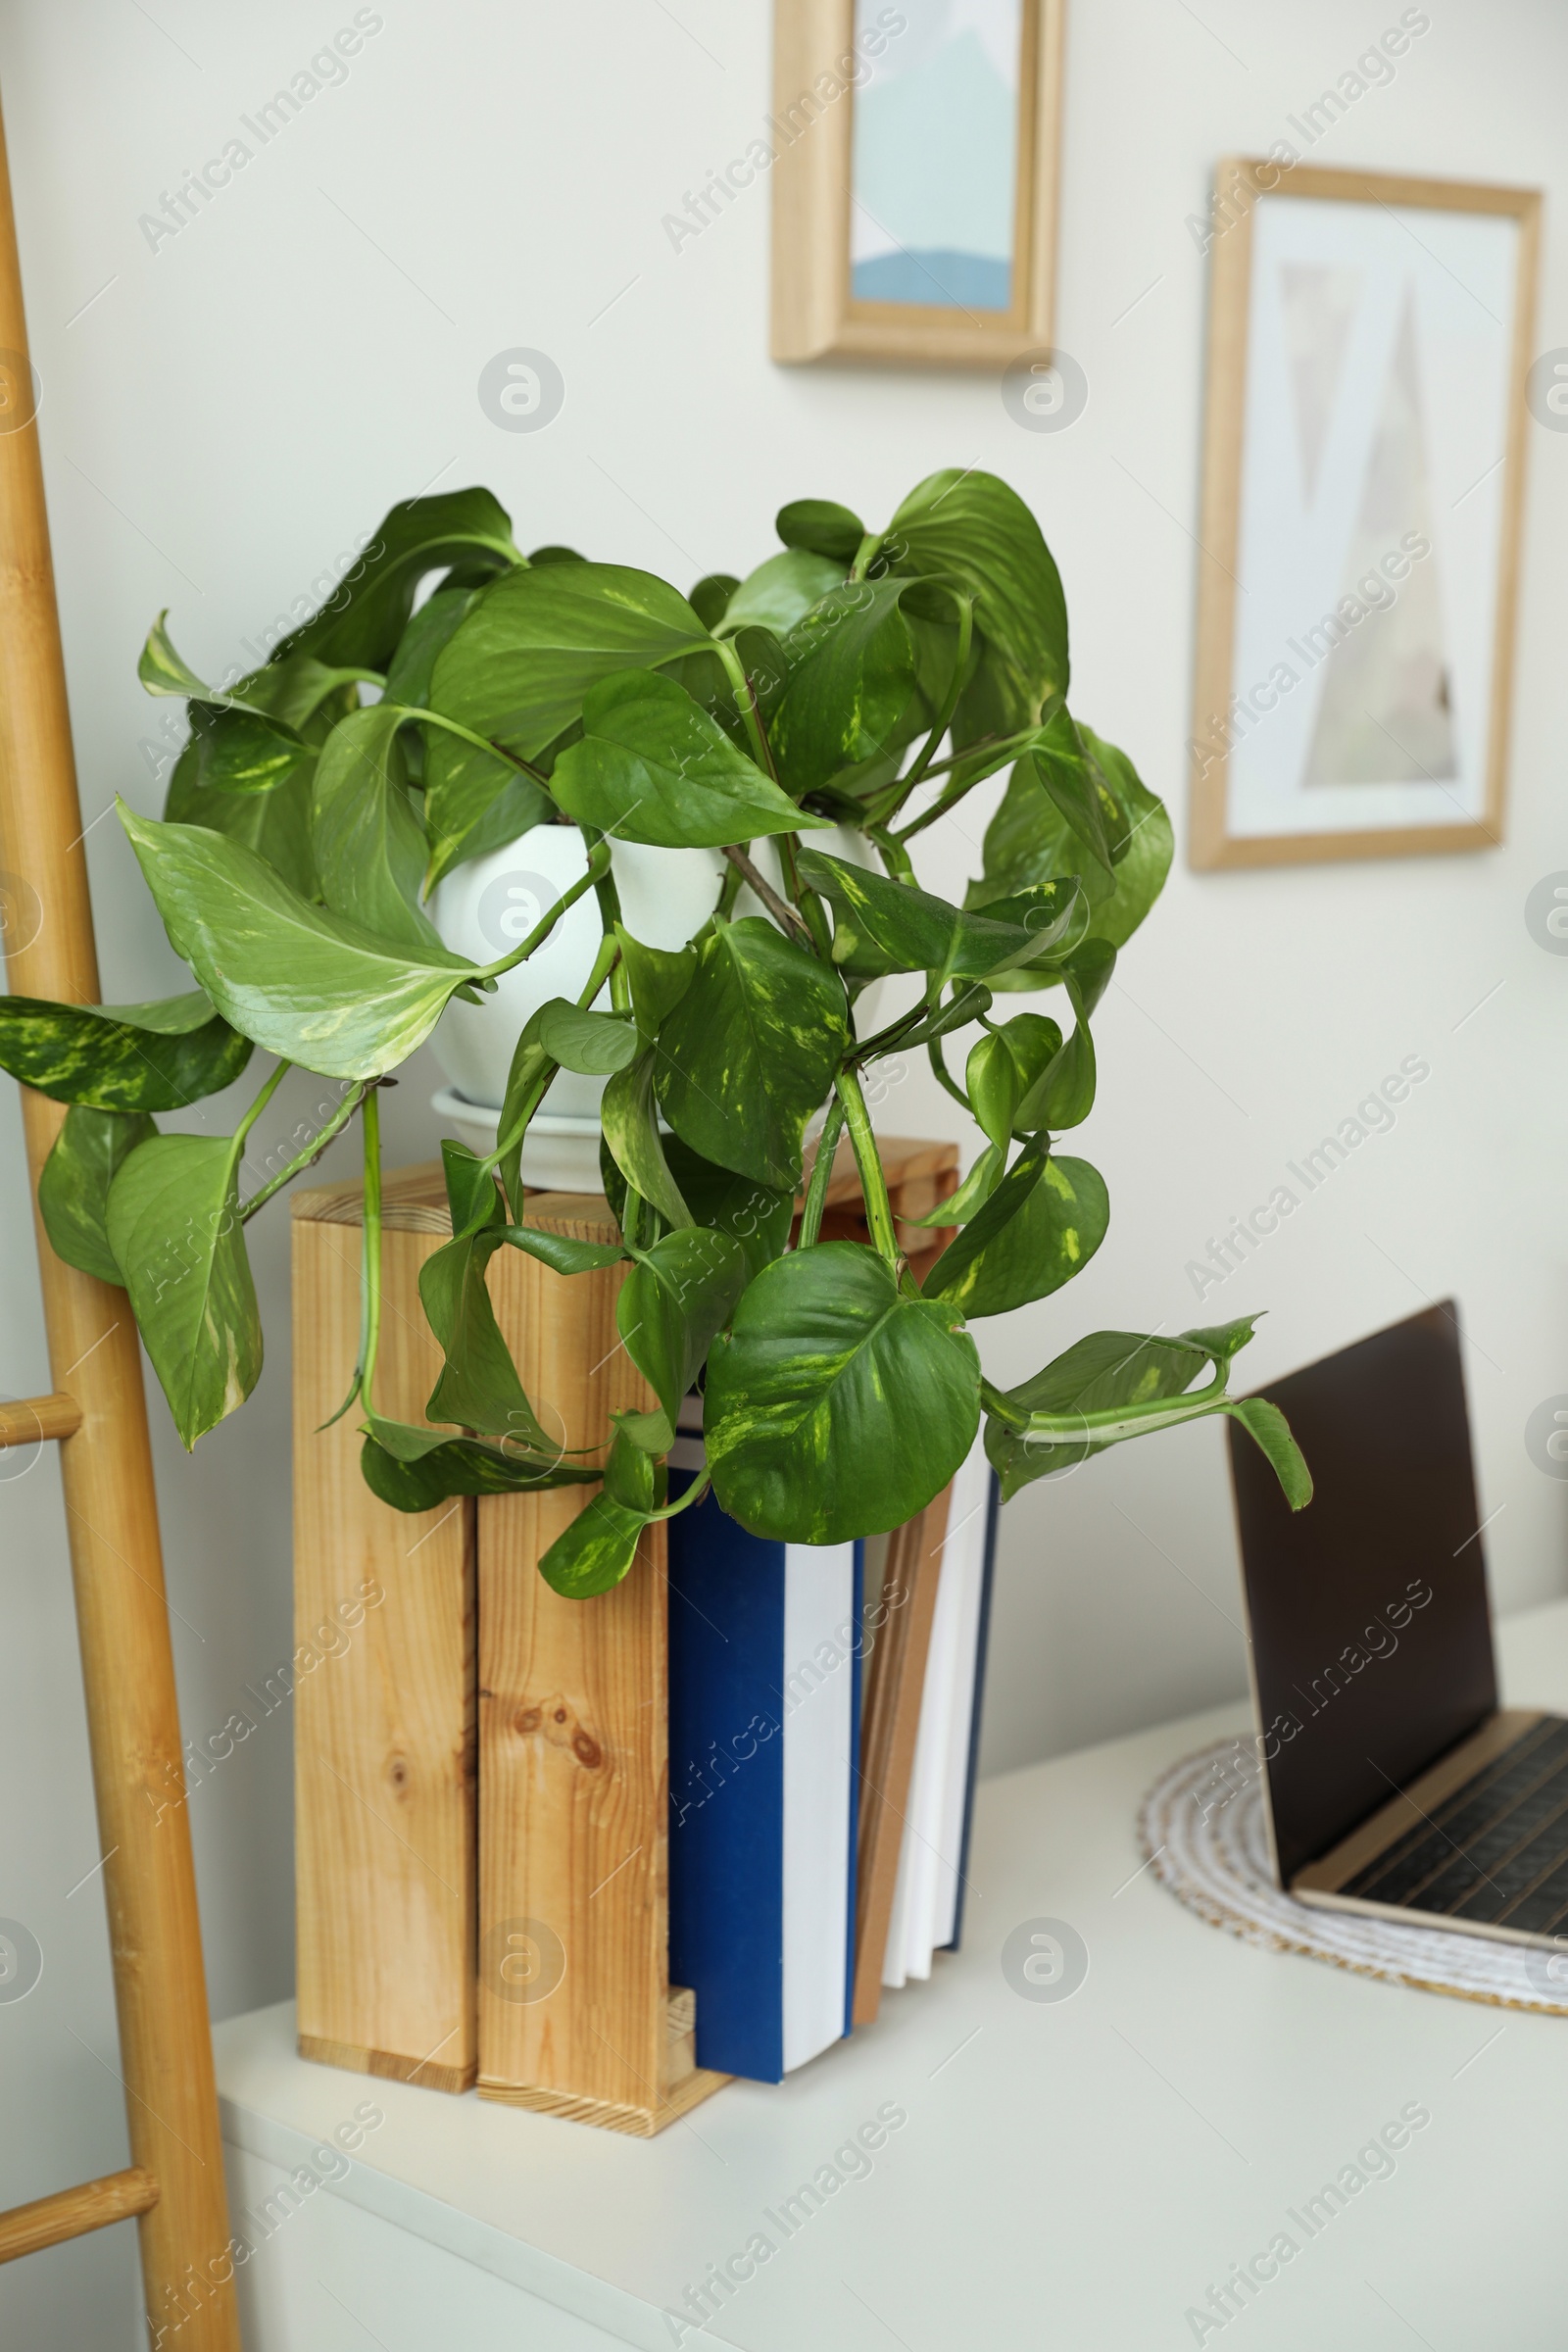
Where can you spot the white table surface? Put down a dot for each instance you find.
(1074, 2173)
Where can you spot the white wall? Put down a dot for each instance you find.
(232, 410)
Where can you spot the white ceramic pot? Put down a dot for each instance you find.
(483, 909)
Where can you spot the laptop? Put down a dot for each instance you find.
(1393, 1781)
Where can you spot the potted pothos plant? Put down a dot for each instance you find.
(858, 679)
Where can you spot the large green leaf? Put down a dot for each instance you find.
(911, 931)
(750, 1051)
(837, 1405)
(1040, 1227)
(366, 832)
(238, 752)
(519, 666)
(277, 824)
(973, 530)
(781, 591)
(302, 982)
(158, 1057)
(478, 1387)
(174, 1229)
(1070, 776)
(675, 1298)
(630, 1127)
(852, 695)
(74, 1184)
(474, 801)
(653, 767)
(423, 640)
(246, 740)
(1029, 841)
(759, 1215)
(363, 621)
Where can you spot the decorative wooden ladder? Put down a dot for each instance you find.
(98, 1416)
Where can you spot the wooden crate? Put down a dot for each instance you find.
(527, 1947)
(576, 2012)
(384, 1727)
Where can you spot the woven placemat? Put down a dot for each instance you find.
(1201, 1827)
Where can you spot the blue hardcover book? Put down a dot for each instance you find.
(764, 1715)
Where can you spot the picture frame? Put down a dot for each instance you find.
(859, 240)
(1369, 339)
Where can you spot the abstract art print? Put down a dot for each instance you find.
(915, 179)
(1368, 342)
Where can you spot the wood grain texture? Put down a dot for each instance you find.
(576, 2012)
(1240, 184)
(106, 1466)
(890, 1724)
(815, 315)
(30, 1420)
(73, 2212)
(385, 1722)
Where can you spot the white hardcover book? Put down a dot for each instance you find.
(926, 1892)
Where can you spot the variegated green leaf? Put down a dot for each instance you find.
(911, 931)
(653, 767)
(631, 1137)
(158, 1057)
(174, 1229)
(596, 1552)
(749, 1051)
(74, 1184)
(367, 835)
(837, 1405)
(1040, 1227)
(675, 1298)
(1118, 1385)
(300, 981)
(414, 1469)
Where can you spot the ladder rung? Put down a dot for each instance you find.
(73, 2212)
(25, 1420)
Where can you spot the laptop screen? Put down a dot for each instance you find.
(1371, 1634)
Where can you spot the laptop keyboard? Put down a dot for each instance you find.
(1497, 1850)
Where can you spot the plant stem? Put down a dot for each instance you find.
(821, 1175)
(893, 853)
(806, 901)
(598, 869)
(311, 1153)
(940, 1071)
(264, 1096)
(694, 1493)
(873, 1184)
(746, 701)
(371, 1248)
(866, 555)
(783, 913)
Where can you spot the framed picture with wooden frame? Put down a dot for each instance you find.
(915, 179)
(1364, 476)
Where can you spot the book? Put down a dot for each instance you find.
(765, 1712)
(927, 1913)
